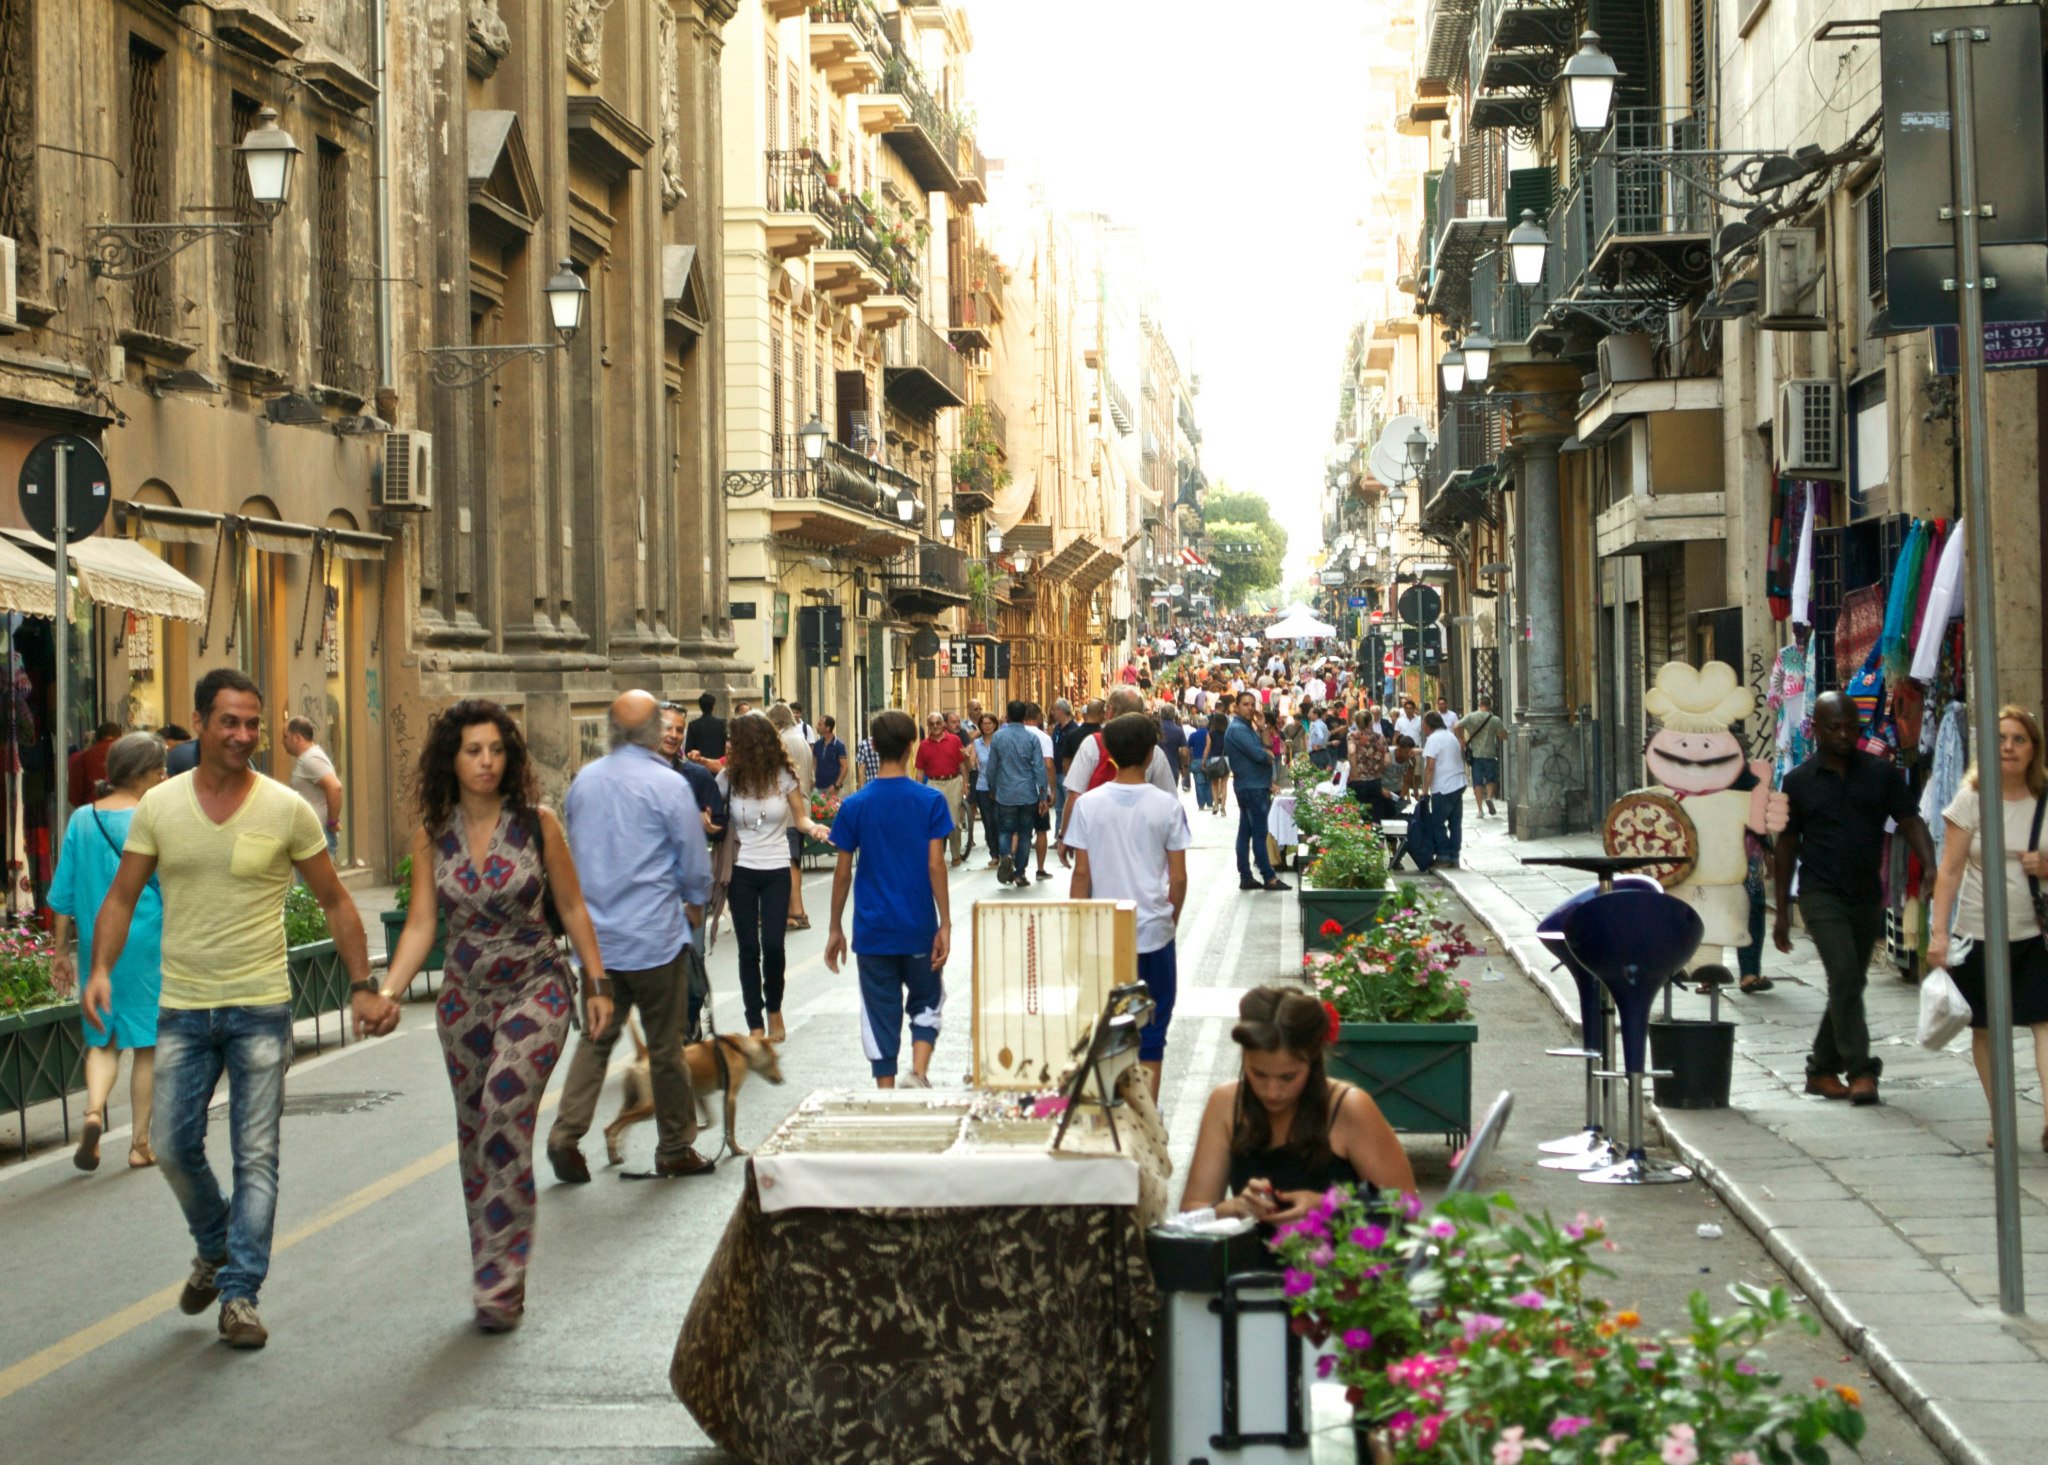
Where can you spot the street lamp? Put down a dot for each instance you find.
(1021, 560)
(129, 251)
(1453, 368)
(1589, 79)
(566, 294)
(1356, 559)
(1372, 559)
(1527, 245)
(995, 540)
(1384, 539)
(812, 436)
(1386, 511)
(1477, 350)
(947, 523)
(906, 508)
(1418, 455)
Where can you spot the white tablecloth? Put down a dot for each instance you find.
(1280, 822)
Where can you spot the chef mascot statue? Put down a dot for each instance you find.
(1697, 758)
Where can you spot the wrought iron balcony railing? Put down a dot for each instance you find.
(796, 183)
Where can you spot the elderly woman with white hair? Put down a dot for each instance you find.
(85, 870)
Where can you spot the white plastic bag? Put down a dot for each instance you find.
(1943, 1010)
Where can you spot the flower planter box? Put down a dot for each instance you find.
(394, 923)
(1420, 1074)
(42, 1057)
(1351, 909)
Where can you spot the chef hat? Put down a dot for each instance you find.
(1706, 699)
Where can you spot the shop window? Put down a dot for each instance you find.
(337, 622)
(153, 650)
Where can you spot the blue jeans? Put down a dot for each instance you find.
(253, 1045)
(1444, 815)
(985, 804)
(1201, 790)
(1013, 832)
(1253, 805)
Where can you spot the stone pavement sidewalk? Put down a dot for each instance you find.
(1883, 1215)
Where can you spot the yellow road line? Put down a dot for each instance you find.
(39, 1366)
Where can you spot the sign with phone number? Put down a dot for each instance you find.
(2010, 346)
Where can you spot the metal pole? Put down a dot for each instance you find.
(1984, 697)
(61, 653)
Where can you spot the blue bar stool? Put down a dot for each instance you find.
(1634, 941)
(1592, 1146)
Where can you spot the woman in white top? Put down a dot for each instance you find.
(766, 803)
(1959, 891)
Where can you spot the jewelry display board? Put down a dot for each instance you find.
(1043, 971)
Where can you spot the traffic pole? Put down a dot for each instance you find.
(60, 638)
(1984, 694)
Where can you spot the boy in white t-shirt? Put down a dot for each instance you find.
(1129, 841)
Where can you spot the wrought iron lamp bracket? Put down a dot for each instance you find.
(130, 251)
(465, 366)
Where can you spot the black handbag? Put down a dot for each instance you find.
(547, 889)
(2033, 883)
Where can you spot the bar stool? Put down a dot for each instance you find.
(1592, 1146)
(1634, 941)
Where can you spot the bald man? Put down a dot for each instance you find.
(639, 843)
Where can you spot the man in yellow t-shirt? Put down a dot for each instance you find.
(223, 841)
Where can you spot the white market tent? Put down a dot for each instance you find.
(1298, 623)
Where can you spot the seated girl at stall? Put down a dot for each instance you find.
(1275, 1140)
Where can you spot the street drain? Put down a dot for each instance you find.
(337, 1103)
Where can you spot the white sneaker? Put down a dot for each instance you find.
(913, 1081)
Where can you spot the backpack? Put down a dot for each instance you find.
(1105, 770)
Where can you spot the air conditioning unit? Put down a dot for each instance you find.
(1809, 426)
(408, 471)
(10, 311)
(1793, 298)
(1626, 358)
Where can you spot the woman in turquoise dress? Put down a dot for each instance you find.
(85, 869)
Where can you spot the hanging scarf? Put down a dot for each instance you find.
(1786, 501)
(1941, 607)
(1905, 578)
(1930, 570)
(1802, 571)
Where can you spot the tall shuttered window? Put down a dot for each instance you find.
(331, 341)
(245, 251)
(146, 174)
(772, 68)
(18, 212)
(776, 390)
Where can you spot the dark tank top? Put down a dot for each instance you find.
(1285, 1168)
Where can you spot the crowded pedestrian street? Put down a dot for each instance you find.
(372, 1354)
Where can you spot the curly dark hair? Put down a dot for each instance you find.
(755, 758)
(1284, 1020)
(439, 791)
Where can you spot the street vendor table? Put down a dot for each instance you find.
(912, 1276)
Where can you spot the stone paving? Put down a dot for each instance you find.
(1883, 1215)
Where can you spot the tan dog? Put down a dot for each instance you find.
(741, 1056)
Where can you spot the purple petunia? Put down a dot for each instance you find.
(1372, 1238)
(1298, 1283)
(1357, 1339)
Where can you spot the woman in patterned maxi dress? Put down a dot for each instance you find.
(483, 861)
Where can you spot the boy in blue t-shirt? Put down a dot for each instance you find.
(903, 921)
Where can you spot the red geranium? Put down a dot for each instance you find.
(1331, 927)
(1330, 1008)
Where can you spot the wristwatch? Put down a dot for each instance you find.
(365, 985)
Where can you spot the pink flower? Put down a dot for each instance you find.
(1479, 1324)
(1679, 1447)
(1531, 1299)
(1322, 1256)
(1745, 1457)
(1509, 1448)
(1357, 1339)
(1442, 1230)
(1326, 1365)
(1748, 1370)
(1427, 1430)
(1298, 1283)
(1566, 1425)
(1372, 1238)
(1612, 1443)
(1411, 1204)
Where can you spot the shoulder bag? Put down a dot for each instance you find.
(547, 889)
(2033, 882)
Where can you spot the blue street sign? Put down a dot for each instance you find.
(1358, 602)
(2008, 346)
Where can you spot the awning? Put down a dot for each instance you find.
(353, 544)
(167, 525)
(275, 536)
(121, 573)
(27, 584)
(1189, 557)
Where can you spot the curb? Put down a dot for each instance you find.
(1930, 1415)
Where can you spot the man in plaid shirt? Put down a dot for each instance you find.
(870, 762)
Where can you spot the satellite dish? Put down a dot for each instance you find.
(1389, 456)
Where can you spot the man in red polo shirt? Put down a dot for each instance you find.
(940, 759)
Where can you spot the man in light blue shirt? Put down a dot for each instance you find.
(1017, 777)
(640, 853)
(1318, 738)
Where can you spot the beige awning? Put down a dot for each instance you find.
(354, 544)
(121, 573)
(167, 525)
(275, 536)
(27, 584)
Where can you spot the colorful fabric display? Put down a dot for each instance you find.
(1944, 603)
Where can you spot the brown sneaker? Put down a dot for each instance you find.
(1830, 1086)
(239, 1325)
(200, 1287)
(1863, 1090)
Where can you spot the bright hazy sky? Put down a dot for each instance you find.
(1224, 133)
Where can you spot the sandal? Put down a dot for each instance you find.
(1756, 984)
(141, 1156)
(87, 1155)
(799, 923)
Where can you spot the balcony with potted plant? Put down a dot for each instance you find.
(803, 201)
